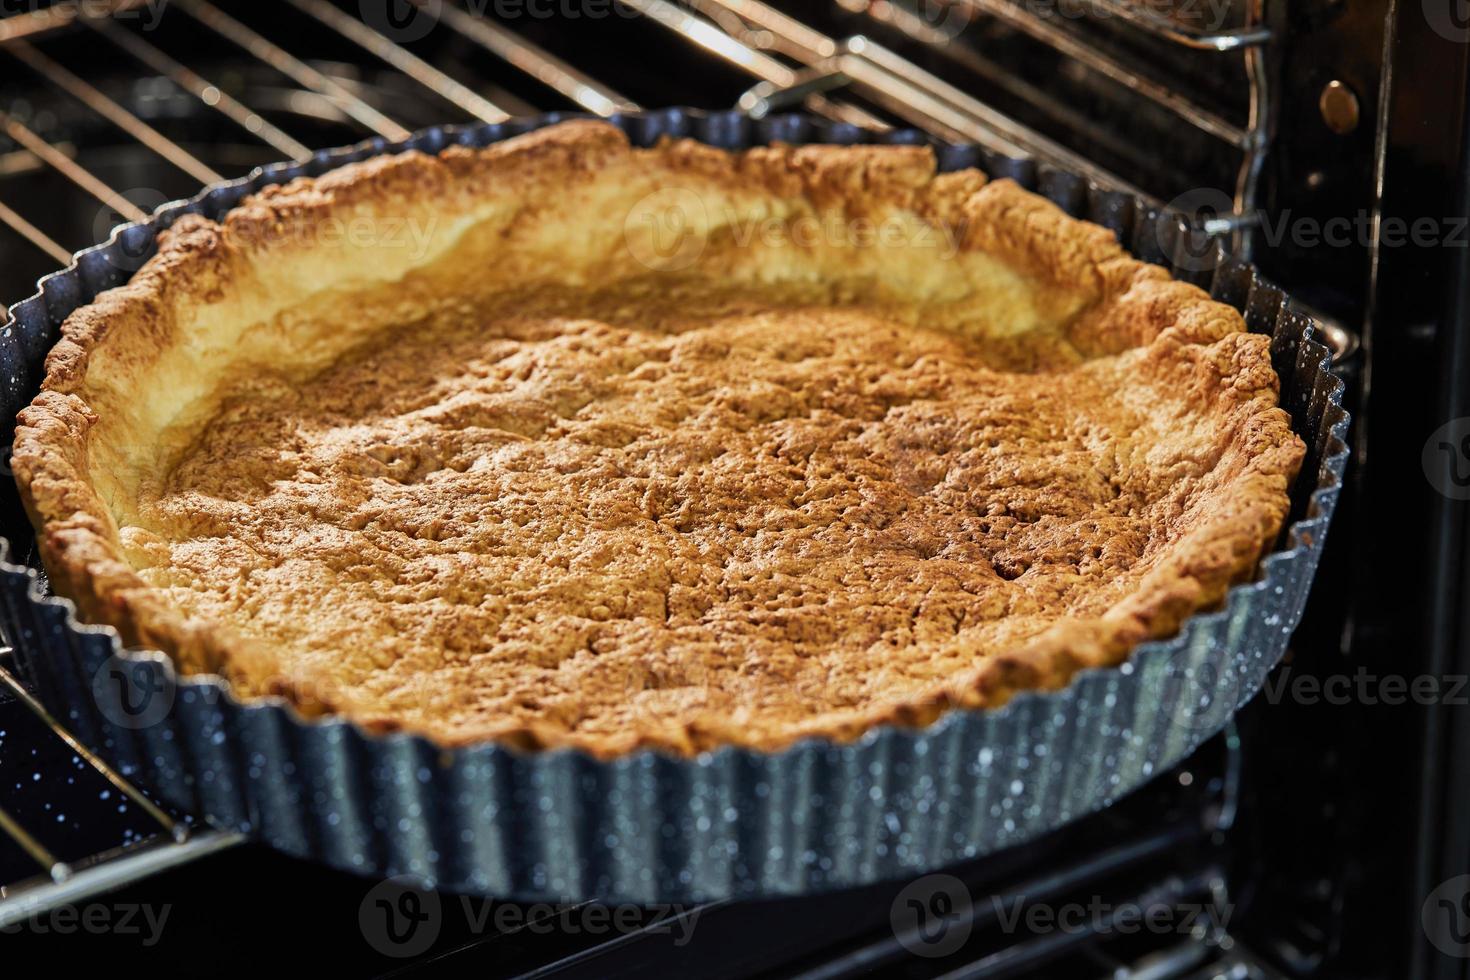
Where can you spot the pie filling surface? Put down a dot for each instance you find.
(563, 479)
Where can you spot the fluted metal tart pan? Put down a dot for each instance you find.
(650, 827)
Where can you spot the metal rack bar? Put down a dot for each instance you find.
(170, 826)
(900, 18)
(266, 50)
(712, 39)
(33, 234)
(61, 881)
(88, 94)
(709, 37)
(779, 24)
(201, 88)
(917, 96)
(1260, 125)
(400, 58)
(925, 100)
(1249, 36)
(1064, 42)
(20, 902)
(922, 82)
(70, 169)
(539, 64)
(1252, 139)
(57, 869)
(34, 23)
(923, 108)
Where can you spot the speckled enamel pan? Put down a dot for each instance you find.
(649, 827)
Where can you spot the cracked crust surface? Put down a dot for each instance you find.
(563, 443)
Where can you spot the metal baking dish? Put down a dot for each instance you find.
(650, 827)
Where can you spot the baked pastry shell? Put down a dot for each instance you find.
(649, 826)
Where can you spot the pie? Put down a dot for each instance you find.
(566, 443)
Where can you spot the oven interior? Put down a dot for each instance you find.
(1300, 839)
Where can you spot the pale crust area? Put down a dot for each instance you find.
(666, 448)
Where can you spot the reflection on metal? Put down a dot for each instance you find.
(60, 882)
(400, 58)
(33, 235)
(1339, 107)
(1252, 35)
(105, 872)
(173, 828)
(266, 50)
(540, 65)
(709, 37)
(1340, 340)
(764, 98)
(924, 100)
(38, 853)
(35, 23)
(201, 88)
(70, 169)
(1070, 45)
(108, 109)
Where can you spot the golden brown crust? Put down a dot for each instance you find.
(1059, 449)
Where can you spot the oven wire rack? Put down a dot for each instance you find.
(58, 882)
(752, 36)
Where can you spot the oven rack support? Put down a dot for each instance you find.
(59, 882)
(17, 32)
(924, 100)
(744, 33)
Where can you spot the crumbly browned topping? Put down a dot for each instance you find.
(643, 512)
(544, 481)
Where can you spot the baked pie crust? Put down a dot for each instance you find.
(565, 443)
